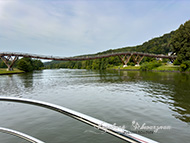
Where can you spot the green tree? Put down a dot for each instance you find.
(24, 65)
(27, 64)
(37, 64)
(185, 66)
(181, 42)
(2, 64)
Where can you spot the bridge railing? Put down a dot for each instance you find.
(136, 59)
(84, 57)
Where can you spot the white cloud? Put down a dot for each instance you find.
(3, 5)
(77, 27)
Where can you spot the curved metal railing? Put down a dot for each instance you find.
(20, 135)
(104, 126)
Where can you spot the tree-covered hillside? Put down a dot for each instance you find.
(159, 45)
(181, 42)
(181, 46)
(176, 41)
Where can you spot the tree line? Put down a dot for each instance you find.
(25, 64)
(181, 46)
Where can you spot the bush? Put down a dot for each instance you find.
(185, 66)
(28, 65)
(188, 70)
(132, 64)
(24, 65)
(149, 66)
(176, 62)
(37, 64)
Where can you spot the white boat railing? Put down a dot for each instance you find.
(104, 126)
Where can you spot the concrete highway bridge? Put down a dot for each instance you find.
(10, 58)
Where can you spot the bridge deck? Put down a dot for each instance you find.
(80, 58)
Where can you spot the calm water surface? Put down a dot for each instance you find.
(154, 99)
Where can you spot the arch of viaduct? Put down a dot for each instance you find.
(10, 58)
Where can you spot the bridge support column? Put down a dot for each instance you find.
(137, 59)
(125, 59)
(9, 61)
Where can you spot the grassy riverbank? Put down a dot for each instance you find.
(169, 67)
(127, 68)
(3, 71)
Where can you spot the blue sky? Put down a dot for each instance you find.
(76, 27)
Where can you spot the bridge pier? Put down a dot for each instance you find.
(125, 59)
(9, 61)
(137, 59)
(9, 69)
(137, 65)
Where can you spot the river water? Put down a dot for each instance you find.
(117, 97)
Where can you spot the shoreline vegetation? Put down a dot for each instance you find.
(3, 71)
(21, 66)
(161, 68)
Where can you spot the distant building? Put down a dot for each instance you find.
(159, 59)
(170, 53)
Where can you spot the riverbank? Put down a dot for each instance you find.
(3, 71)
(162, 68)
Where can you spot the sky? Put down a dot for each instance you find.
(76, 27)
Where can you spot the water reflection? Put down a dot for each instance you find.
(165, 87)
(114, 96)
(119, 76)
(26, 79)
(168, 88)
(176, 92)
(16, 85)
(181, 98)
